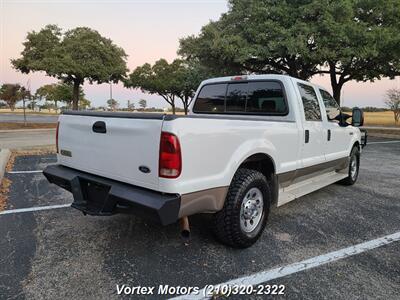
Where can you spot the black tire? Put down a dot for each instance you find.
(227, 222)
(354, 158)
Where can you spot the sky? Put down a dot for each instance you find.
(146, 30)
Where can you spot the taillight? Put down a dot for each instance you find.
(58, 126)
(170, 161)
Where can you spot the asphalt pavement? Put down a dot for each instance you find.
(59, 253)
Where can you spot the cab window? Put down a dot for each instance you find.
(266, 97)
(331, 106)
(312, 110)
(245, 98)
(211, 99)
(236, 97)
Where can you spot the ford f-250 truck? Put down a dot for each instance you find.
(248, 142)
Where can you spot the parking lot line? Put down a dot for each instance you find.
(25, 172)
(265, 276)
(385, 142)
(29, 209)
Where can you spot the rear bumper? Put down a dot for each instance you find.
(95, 195)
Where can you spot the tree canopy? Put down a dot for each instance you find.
(143, 103)
(77, 55)
(112, 104)
(178, 79)
(12, 93)
(348, 40)
(59, 92)
(393, 102)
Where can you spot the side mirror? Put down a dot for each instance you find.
(358, 117)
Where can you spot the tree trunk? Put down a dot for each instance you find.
(337, 89)
(173, 108)
(75, 99)
(336, 86)
(186, 103)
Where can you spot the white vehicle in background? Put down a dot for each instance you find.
(249, 142)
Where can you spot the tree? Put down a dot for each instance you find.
(77, 55)
(179, 79)
(84, 103)
(188, 76)
(255, 37)
(348, 40)
(355, 40)
(156, 79)
(11, 94)
(143, 103)
(58, 92)
(393, 102)
(131, 105)
(112, 104)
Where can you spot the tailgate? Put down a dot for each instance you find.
(127, 151)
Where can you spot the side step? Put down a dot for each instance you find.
(305, 187)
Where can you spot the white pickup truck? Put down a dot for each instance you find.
(248, 142)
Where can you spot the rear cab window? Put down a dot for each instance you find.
(211, 99)
(266, 97)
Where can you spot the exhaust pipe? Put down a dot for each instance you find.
(185, 229)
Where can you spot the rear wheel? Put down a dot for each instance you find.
(244, 215)
(354, 166)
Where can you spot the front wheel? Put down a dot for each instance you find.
(354, 167)
(244, 215)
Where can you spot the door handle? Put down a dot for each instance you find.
(99, 127)
(329, 134)
(307, 136)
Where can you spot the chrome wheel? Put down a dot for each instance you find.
(251, 210)
(353, 168)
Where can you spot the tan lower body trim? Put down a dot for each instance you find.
(210, 200)
(291, 177)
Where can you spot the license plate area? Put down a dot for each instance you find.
(96, 196)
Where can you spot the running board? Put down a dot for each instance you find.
(305, 187)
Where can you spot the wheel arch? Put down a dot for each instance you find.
(264, 164)
(355, 144)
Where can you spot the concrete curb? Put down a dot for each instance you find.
(50, 147)
(4, 157)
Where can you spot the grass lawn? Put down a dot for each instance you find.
(385, 118)
(20, 111)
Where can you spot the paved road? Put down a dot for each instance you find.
(9, 117)
(16, 139)
(60, 253)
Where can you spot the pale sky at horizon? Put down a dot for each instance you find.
(146, 30)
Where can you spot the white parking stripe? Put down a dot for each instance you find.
(385, 142)
(265, 276)
(25, 172)
(29, 209)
